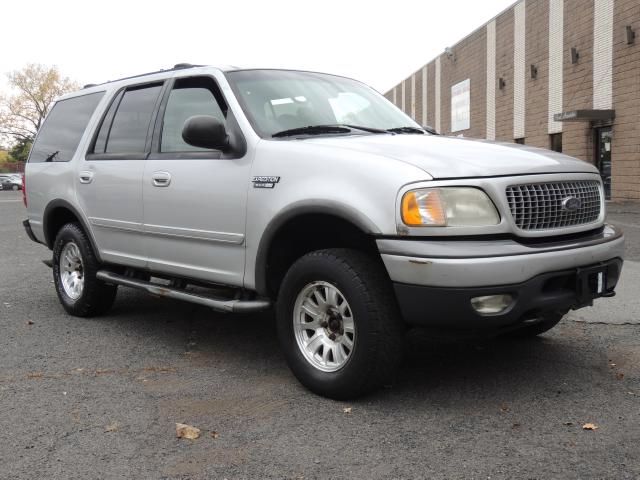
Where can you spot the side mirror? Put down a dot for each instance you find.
(205, 131)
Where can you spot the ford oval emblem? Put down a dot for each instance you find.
(571, 204)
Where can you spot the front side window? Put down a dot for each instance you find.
(277, 100)
(128, 131)
(189, 97)
(60, 135)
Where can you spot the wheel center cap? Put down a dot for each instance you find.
(334, 324)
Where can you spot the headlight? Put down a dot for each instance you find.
(448, 207)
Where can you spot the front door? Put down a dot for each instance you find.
(194, 199)
(603, 158)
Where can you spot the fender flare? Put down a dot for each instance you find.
(297, 209)
(59, 203)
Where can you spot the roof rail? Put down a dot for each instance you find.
(177, 66)
(89, 85)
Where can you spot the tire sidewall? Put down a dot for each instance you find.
(305, 271)
(70, 233)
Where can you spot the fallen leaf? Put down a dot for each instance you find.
(29, 322)
(589, 426)
(620, 375)
(504, 408)
(347, 409)
(187, 431)
(214, 434)
(112, 427)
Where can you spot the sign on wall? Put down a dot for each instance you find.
(461, 106)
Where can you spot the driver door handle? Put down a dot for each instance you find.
(161, 179)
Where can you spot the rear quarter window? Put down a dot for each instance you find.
(60, 135)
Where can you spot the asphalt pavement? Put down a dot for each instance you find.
(100, 398)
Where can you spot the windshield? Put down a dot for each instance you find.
(278, 100)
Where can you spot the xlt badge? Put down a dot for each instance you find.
(265, 182)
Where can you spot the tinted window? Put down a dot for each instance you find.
(60, 135)
(131, 122)
(188, 98)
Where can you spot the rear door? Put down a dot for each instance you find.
(109, 181)
(195, 199)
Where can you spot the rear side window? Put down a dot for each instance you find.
(60, 135)
(128, 132)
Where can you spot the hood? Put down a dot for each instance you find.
(451, 157)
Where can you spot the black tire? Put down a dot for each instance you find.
(549, 320)
(378, 346)
(97, 297)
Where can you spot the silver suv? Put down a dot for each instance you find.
(243, 190)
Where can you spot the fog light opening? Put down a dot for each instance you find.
(491, 304)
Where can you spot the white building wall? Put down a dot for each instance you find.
(603, 54)
(556, 39)
(519, 70)
(491, 80)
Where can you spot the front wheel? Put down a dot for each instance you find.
(74, 273)
(338, 323)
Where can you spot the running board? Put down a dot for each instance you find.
(221, 305)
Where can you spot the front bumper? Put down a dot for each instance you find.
(435, 281)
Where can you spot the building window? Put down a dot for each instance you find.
(555, 140)
(519, 141)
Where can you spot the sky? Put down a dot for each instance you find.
(379, 43)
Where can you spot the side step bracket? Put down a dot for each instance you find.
(219, 304)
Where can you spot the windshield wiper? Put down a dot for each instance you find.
(406, 130)
(311, 130)
(365, 129)
(51, 157)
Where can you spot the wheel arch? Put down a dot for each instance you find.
(58, 213)
(318, 213)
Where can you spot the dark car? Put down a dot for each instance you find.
(10, 182)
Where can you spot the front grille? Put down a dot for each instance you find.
(539, 206)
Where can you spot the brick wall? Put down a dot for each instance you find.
(468, 62)
(577, 85)
(504, 70)
(537, 89)
(578, 77)
(626, 101)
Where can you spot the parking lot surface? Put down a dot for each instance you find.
(99, 398)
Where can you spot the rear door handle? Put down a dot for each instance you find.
(86, 177)
(161, 179)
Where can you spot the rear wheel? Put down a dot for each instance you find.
(74, 273)
(546, 323)
(338, 323)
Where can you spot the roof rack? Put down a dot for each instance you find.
(177, 66)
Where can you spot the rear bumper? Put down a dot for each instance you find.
(435, 280)
(27, 228)
(450, 308)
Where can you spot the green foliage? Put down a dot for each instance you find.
(20, 151)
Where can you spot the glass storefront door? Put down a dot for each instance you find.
(603, 158)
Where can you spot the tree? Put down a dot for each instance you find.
(34, 88)
(20, 151)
